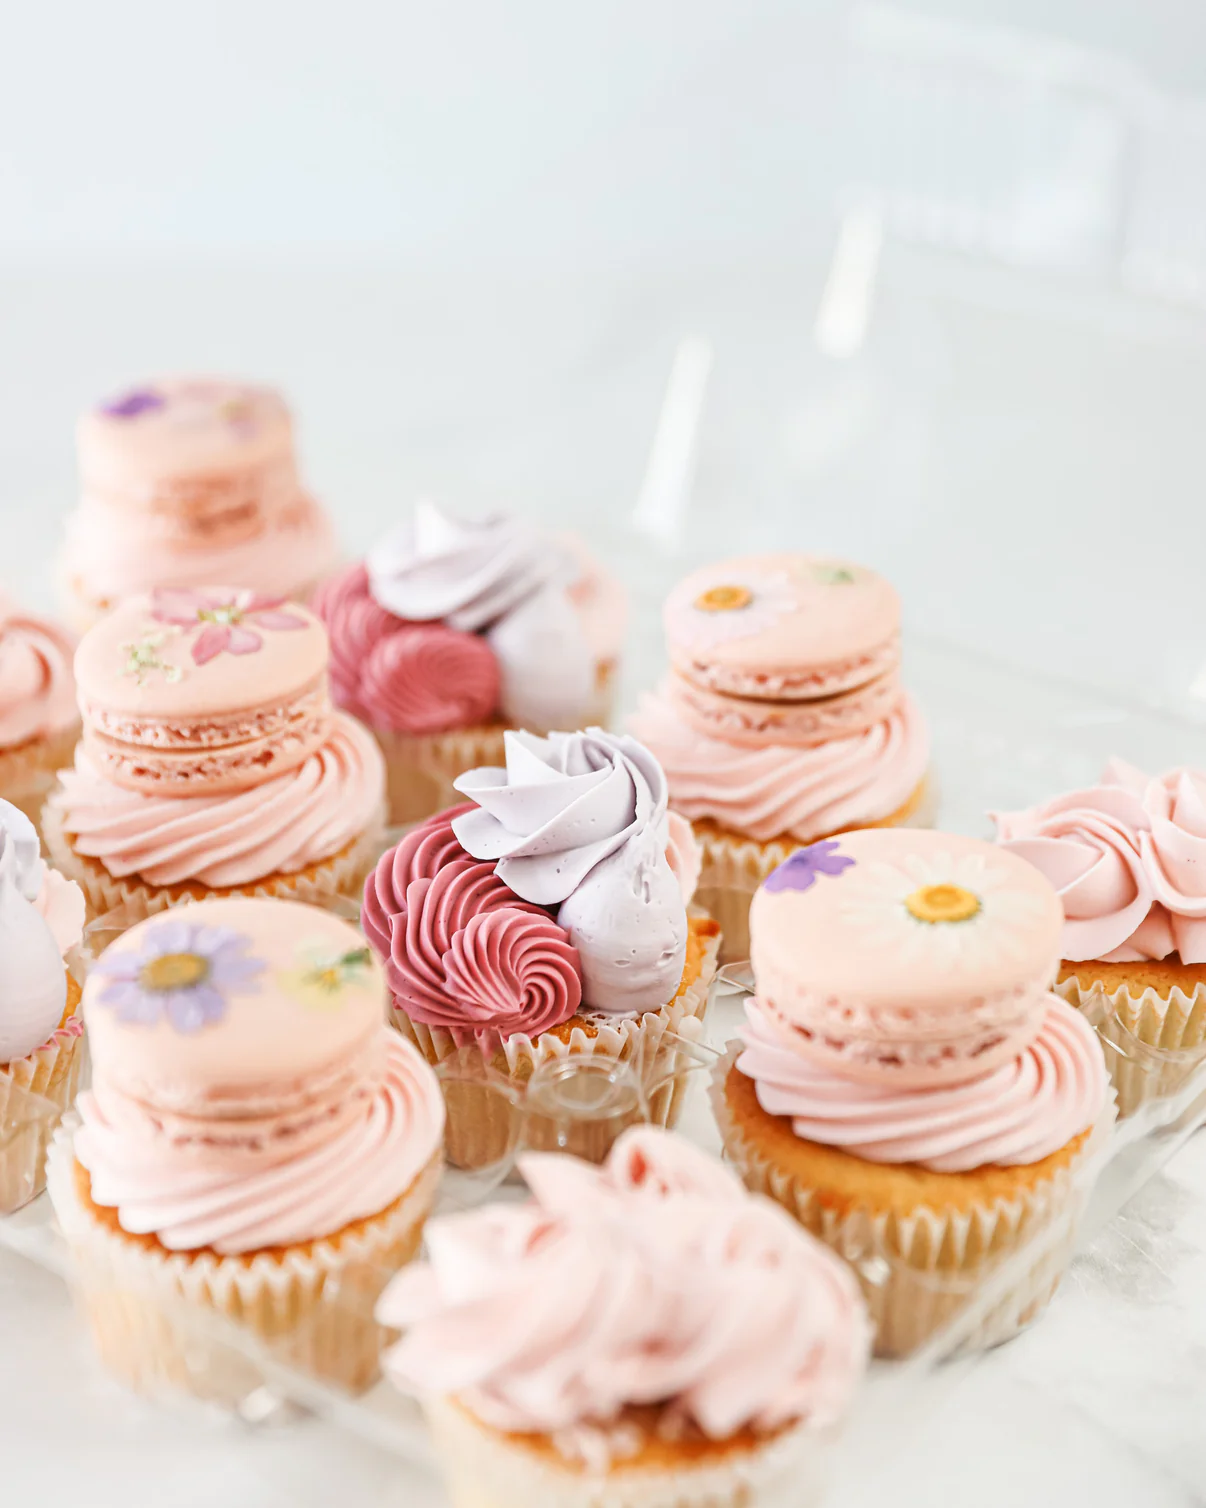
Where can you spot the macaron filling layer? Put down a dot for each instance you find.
(792, 683)
(756, 722)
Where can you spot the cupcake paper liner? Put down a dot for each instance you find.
(733, 866)
(35, 1091)
(1154, 1044)
(174, 1321)
(344, 873)
(919, 1271)
(484, 1089)
(28, 771)
(486, 1469)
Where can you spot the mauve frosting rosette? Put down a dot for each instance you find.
(1128, 857)
(649, 1304)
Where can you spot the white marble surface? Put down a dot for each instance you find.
(1022, 456)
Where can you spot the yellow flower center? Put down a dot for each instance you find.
(942, 903)
(174, 971)
(724, 599)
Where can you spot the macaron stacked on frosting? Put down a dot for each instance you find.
(903, 1020)
(211, 756)
(783, 718)
(647, 1322)
(185, 481)
(38, 717)
(451, 630)
(252, 1130)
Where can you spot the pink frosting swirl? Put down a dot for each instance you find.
(460, 949)
(265, 1191)
(778, 791)
(656, 1279)
(401, 676)
(1128, 858)
(1018, 1114)
(37, 688)
(289, 822)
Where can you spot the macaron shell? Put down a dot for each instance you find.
(783, 626)
(133, 662)
(752, 723)
(833, 928)
(311, 1000)
(177, 427)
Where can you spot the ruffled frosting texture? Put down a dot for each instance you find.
(403, 677)
(33, 985)
(460, 949)
(57, 900)
(655, 1279)
(1019, 1113)
(37, 689)
(780, 791)
(1128, 858)
(171, 1178)
(578, 821)
(289, 822)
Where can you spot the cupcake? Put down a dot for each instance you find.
(39, 723)
(543, 921)
(212, 762)
(256, 1146)
(184, 482)
(641, 1335)
(1128, 859)
(41, 921)
(783, 720)
(908, 1087)
(450, 631)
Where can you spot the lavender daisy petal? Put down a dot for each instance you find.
(191, 1009)
(801, 869)
(143, 400)
(118, 965)
(168, 937)
(131, 1002)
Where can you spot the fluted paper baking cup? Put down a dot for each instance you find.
(344, 873)
(734, 866)
(162, 1321)
(1155, 1045)
(28, 771)
(919, 1270)
(484, 1468)
(481, 1126)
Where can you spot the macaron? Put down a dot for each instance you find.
(819, 637)
(214, 455)
(906, 957)
(190, 693)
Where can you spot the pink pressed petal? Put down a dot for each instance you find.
(243, 641)
(257, 602)
(180, 607)
(277, 620)
(211, 641)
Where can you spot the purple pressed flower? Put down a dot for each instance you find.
(142, 400)
(181, 972)
(800, 871)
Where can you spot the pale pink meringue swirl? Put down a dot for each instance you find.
(656, 1279)
(174, 1182)
(401, 676)
(1018, 1114)
(460, 949)
(289, 822)
(1128, 858)
(777, 791)
(37, 688)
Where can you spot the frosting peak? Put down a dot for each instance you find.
(655, 1279)
(33, 985)
(578, 820)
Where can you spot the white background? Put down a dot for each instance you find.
(467, 240)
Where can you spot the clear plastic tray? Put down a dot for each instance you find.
(1002, 738)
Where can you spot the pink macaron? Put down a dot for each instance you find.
(904, 957)
(191, 693)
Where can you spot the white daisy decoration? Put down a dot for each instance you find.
(955, 910)
(733, 606)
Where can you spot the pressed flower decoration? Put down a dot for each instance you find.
(802, 869)
(962, 909)
(324, 973)
(829, 573)
(732, 607)
(143, 657)
(181, 973)
(131, 405)
(229, 624)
